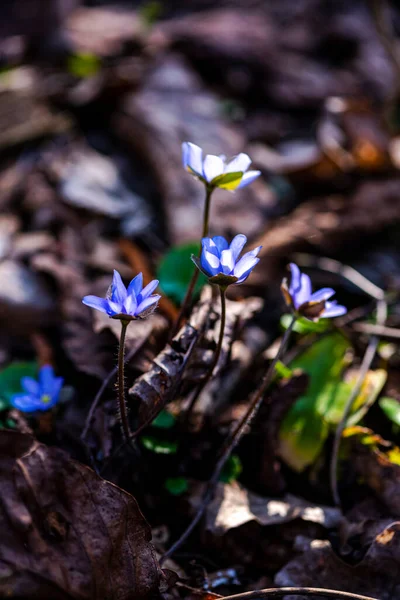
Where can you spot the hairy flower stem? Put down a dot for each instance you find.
(123, 411)
(189, 292)
(232, 441)
(217, 353)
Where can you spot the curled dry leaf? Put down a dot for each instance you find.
(67, 533)
(377, 575)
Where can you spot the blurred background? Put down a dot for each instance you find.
(96, 98)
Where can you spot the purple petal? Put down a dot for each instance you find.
(24, 402)
(213, 167)
(303, 294)
(30, 385)
(241, 162)
(97, 303)
(210, 262)
(149, 289)
(130, 305)
(227, 262)
(46, 379)
(192, 156)
(295, 278)
(55, 392)
(221, 243)
(333, 310)
(114, 308)
(322, 294)
(250, 266)
(237, 245)
(146, 304)
(135, 286)
(209, 245)
(248, 178)
(245, 264)
(118, 290)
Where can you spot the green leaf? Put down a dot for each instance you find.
(159, 446)
(283, 371)
(228, 181)
(176, 485)
(309, 421)
(150, 12)
(391, 408)
(10, 380)
(304, 326)
(175, 271)
(83, 64)
(164, 420)
(304, 429)
(232, 469)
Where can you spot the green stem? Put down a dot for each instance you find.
(217, 353)
(232, 441)
(123, 411)
(189, 292)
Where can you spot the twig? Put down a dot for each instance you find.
(232, 441)
(375, 329)
(217, 353)
(303, 591)
(381, 315)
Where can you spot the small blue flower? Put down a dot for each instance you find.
(220, 261)
(136, 302)
(312, 306)
(214, 171)
(38, 395)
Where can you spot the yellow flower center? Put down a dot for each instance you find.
(45, 398)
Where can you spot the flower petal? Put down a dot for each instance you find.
(97, 303)
(30, 385)
(192, 157)
(136, 285)
(248, 178)
(237, 245)
(227, 262)
(149, 289)
(241, 162)
(247, 268)
(295, 278)
(46, 379)
(213, 167)
(118, 290)
(221, 243)
(209, 245)
(114, 308)
(130, 305)
(303, 294)
(146, 304)
(246, 263)
(333, 310)
(322, 294)
(210, 263)
(24, 402)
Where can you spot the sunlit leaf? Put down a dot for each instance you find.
(228, 181)
(232, 469)
(176, 269)
(304, 326)
(164, 420)
(159, 446)
(391, 408)
(83, 64)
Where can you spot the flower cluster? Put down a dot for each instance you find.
(214, 171)
(220, 261)
(126, 304)
(313, 306)
(38, 395)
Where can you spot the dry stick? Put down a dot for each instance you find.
(303, 591)
(196, 272)
(231, 442)
(375, 329)
(381, 315)
(217, 353)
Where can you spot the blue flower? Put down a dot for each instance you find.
(312, 306)
(38, 395)
(136, 302)
(220, 261)
(214, 171)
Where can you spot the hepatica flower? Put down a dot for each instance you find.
(38, 395)
(214, 171)
(126, 304)
(313, 306)
(220, 261)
